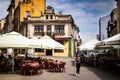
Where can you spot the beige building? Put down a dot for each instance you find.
(112, 29)
(118, 21)
(60, 27)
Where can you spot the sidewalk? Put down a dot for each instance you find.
(86, 73)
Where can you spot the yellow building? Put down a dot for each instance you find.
(21, 9)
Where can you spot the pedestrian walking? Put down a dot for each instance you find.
(78, 64)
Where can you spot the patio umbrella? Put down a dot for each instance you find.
(37, 41)
(90, 45)
(114, 40)
(49, 43)
(15, 40)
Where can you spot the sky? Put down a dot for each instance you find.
(86, 13)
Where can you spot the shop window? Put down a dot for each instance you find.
(59, 50)
(39, 50)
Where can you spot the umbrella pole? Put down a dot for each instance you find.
(13, 62)
(11, 52)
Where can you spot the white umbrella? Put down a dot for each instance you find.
(115, 40)
(82, 47)
(15, 40)
(90, 45)
(49, 43)
(35, 40)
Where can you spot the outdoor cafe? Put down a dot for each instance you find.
(26, 64)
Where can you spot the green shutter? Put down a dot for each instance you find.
(69, 47)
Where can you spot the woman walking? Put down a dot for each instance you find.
(77, 60)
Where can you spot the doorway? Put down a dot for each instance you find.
(48, 52)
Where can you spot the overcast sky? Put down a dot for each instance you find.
(85, 13)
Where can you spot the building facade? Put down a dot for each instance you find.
(60, 27)
(118, 13)
(112, 29)
(30, 18)
(103, 24)
(20, 9)
(118, 21)
(112, 24)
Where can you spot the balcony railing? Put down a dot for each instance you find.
(49, 34)
(39, 33)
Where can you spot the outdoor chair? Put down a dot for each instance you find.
(62, 66)
(28, 70)
(51, 66)
(46, 63)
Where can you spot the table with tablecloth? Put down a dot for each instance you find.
(30, 68)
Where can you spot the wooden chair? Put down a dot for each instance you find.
(62, 66)
(51, 66)
(28, 70)
(46, 63)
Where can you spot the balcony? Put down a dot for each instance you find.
(49, 33)
(39, 33)
(59, 34)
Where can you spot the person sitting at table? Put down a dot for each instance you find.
(57, 65)
(39, 59)
(56, 60)
(9, 62)
(26, 57)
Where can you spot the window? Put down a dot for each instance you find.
(27, 1)
(39, 29)
(48, 28)
(16, 50)
(51, 16)
(59, 29)
(59, 50)
(39, 50)
(23, 51)
(27, 13)
(46, 16)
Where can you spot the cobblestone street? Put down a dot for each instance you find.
(86, 73)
